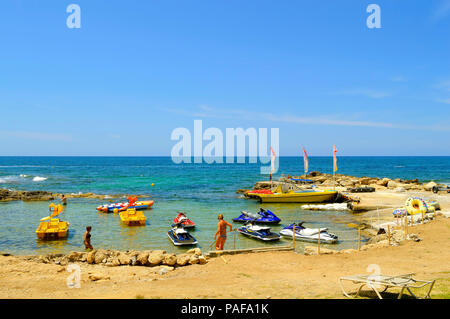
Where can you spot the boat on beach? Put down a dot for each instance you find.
(262, 217)
(53, 228)
(133, 217)
(132, 203)
(303, 196)
(258, 232)
(181, 218)
(180, 236)
(309, 234)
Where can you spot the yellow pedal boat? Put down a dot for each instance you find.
(53, 228)
(132, 217)
(297, 196)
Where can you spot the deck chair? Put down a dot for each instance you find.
(376, 282)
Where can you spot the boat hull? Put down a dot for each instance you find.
(177, 242)
(271, 237)
(306, 197)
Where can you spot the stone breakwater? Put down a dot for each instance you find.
(339, 180)
(12, 195)
(114, 258)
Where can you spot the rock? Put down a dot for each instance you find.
(400, 190)
(134, 260)
(413, 237)
(202, 260)
(95, 277)
(155, 258)
(392, 184)
(429, 186)
(194, 259)
(170, 259)
(73, 256)
(90, 259)
(100, 256)
(196, 251)
(377, 239)
(183, 259)
(164, 270)
(312, 250)
(365, 180)
(383, 182)
(124, 259)
(398, 235)
(142, 258)
(115, 261)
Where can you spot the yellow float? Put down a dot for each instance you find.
(416, 206)
(132, 217)
(53, 228)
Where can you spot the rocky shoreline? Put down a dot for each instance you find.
(114, 258)
(14, 195)
(339, 180)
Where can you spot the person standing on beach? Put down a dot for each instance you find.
(221, 235)
(87, 238)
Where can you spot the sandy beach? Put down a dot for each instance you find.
(255, 275)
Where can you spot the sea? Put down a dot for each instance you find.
(201, 190)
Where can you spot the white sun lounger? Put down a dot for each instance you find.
(377, 282)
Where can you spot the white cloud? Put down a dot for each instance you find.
(441, 11)
(364, 92)
(446, 101)
(398, 78)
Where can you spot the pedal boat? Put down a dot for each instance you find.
(53, 228)
(138, 205)
(132, 217)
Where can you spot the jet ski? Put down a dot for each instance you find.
(179, 236)
(309, 234)
(262, 217)
(258, 232)
(181, 218)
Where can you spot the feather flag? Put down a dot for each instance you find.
(305, 160)
(272, 161)
(335, 158)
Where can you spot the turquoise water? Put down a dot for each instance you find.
(202, 190)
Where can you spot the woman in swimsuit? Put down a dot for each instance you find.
(221, 235)
(87, 238)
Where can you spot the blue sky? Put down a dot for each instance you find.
(136, 70)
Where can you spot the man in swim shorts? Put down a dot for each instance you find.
(221, 235)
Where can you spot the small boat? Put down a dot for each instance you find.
(262, 217)
(258, 232)
(181, 218)
(132, 203)
(289, 195)
(309, 234)
(132, 217)
(53, 228)
(180, 236)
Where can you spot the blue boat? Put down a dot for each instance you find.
(262, 217)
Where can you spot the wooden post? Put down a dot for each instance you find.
(422, 217)
(359, 238)
(397, 220)
(412, 220)
(389, 234)
(293, 237)
(318, 243)
(235, 240)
